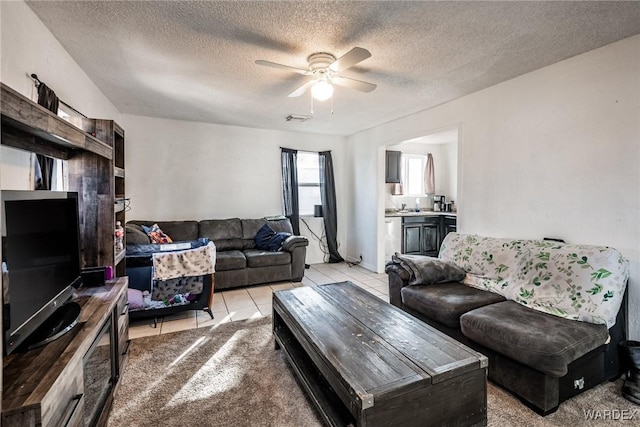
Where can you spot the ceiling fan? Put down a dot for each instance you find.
(324, 70)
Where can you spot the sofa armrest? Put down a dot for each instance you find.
(398, 279)
(294, 242)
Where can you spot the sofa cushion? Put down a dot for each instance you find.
(225, 233)
(539, 340)
(230, 260)
(492, 264)
(135, 235)
(577, 282)
(178, 230)
(280, 224)
(265, 258)
(446, 302)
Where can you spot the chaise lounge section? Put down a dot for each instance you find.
(549, 316)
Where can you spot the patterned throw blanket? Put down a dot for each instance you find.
(577, 282)
(190, 262)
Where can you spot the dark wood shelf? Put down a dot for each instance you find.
(29, 126)
(118, 172)
(120, 256)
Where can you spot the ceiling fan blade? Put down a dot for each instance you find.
(284, 67)
(350, 59)
(302, 89)
(353, 84)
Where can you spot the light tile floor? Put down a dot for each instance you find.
(255, 301)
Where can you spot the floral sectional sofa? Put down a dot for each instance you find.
(548, 315)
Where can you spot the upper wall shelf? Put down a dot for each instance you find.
(29, 126)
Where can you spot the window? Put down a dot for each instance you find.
(413, 174)
(308, 181)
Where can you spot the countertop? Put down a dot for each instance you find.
(394, 213)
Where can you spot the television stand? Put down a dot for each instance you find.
(59, 323)
(55, 385)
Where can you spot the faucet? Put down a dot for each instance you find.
(403, 206)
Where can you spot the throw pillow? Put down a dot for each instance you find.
(275, 243)
(156, 235)
(263, 236)
(135, 299)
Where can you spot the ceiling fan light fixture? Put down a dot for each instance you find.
(322, 90)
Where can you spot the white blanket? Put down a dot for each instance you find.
(190, 262)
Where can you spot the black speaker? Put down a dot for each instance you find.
(317, 211)
(93, 276)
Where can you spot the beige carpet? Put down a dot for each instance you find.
(231, 375)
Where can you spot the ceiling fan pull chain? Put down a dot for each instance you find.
(311, 105)
(332, 105)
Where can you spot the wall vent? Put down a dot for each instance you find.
(297, 118)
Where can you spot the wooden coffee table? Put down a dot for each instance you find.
(364, 362)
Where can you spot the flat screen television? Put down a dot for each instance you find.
(40, 265)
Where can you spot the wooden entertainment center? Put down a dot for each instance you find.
(56, 384)
(52, 385)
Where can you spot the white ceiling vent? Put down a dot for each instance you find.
(297, 118)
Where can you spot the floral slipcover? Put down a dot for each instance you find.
(577, 282)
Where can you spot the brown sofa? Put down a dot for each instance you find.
(493, 308)
(238, 262)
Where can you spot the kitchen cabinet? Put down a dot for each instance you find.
(412, 239)
(449, 225)
(393, 161)
(423, 235)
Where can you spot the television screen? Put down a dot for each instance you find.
(40, 259)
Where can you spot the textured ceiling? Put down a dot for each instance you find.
(195, 60)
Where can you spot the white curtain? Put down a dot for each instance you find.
(429, 178)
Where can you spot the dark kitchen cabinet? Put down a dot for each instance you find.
(393, 160)
(449, 225)
(412, 239)
(431, 238)
(423, 235)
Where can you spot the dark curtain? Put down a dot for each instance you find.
(290, 188)
(44, 166)
(329, 210)
(47, 98)
(43, 172)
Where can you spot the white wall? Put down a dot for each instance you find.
(187, 170)
(26, 47)
(555, 152)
